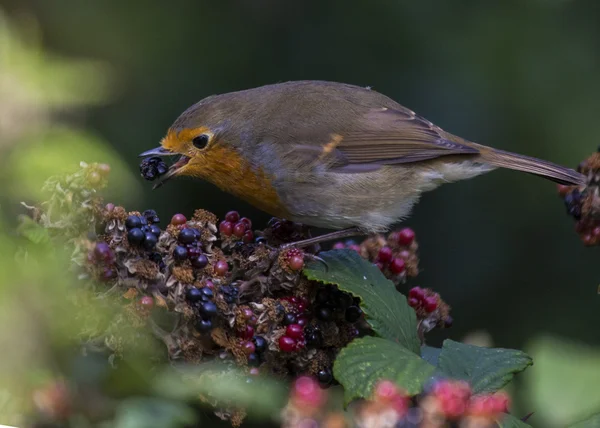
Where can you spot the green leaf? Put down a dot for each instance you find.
(430, 354)
(563, 388)
(510, 421)
(593, 422)
(33, 231)
(486, 369)
(366, 361)
(386, 309)
(153, 413)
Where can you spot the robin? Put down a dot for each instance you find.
(328, 154)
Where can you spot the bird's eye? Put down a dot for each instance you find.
(200, 141)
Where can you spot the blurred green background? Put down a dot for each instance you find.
(517, 75)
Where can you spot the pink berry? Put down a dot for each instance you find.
(339, 246)
(413, 302)
(287, 344)
(397, 265)
(232, 216)
(221, 267)
(417, 293)
(247, 333)
(405, 254)
(209, 284)
(247, 313)
(301, 307)
(109, 207)
(178, 219)
(406, 236)
(247, 222)
(226, 228)
(248, 347)
(295, 331)
(430, 303)
(385, 255)
(146, 302)
(307, 391)
(248, 237)
(355, 247)
(254, 371)
(296, 263)
(385, 391)
(239, 229)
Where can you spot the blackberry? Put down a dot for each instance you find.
(150, 241)
(180, 253)
(313, 338)
(200, 262)
(325, 377)
(204, 326)
(207, 293)
(151, 216)
(152, 168)
(155, 230)
(187, 236)
(208, 310)
(289, 319)
(260, 344)
(193, 295)
(353, 314)
(324, 313)
(135, 236)
(133, 221)
(253, 360)
(342, 300)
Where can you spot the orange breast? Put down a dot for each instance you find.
(232, 173)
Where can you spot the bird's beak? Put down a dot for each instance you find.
(157, 151)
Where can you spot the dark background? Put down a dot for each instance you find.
(517, 75)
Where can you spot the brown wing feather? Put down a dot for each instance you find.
(393, 136)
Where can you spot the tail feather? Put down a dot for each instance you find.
(542, 168)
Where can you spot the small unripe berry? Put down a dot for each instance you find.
(103, 169)
(226, 228)
(247, 222)
(413, 302)
(385, 255)
(248, 347)
(397, 265)
(406, 236)
(248, 237)
(296, 263)
(221, 267)
(295, 331)
(146, 302)
(339, 246)
(430, 304)
(287, 344)
(239, 229)
(247, 332)
(178, 219)
(417, 293)
(232, 216)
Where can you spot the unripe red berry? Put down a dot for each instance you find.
(295, 331)
(308, 392)
(417, 293)
(254, 371)
(287, 344)
(94, 178)
(355, 247)
(296, 263)
(430, 304)
(226, 228)
(221, 267)
(406, 236)
(103, 169)
(109, 207)
(178, 219)
(232, 216)
(385, 391)
(248, 237)
(413, 303)
(247, 333)
(239, 229)
(248, 347)
(339, 246)
(247, 313)
(247, 222)
(397, 265)
(146, 302)
(385, 255)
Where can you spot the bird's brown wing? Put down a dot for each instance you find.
(390, 136)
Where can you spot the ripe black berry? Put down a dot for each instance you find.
(253, 360)
(260, 344)
(152, 168)
(342, 300)
(289, 319)
(207, 293)
(208, 310)
(325, 376)
(180, 253)
(133, 221)
(324, 313)
(135, 236)
(193, 295)
(353, 313)
(200, 262)
(150, 240)
(151, 216)
(187, 236)
(314, 339)
(155, 230)
(204, 326)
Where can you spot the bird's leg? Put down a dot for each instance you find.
(338, 234)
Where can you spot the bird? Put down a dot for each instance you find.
(330, 155)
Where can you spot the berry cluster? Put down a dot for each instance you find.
(395, 255)
(142, 230)
(236, 228)
(102, 258)
(152, 168)
(583, 203)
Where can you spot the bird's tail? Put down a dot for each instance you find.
(542, 168)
